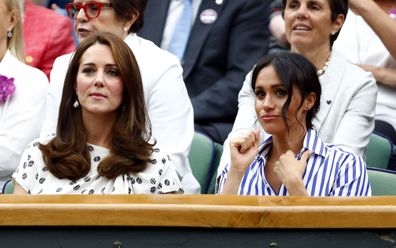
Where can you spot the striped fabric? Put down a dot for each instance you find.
(330, 172)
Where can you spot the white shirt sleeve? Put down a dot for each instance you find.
(21, 118)
(54, 95)
(172, 119)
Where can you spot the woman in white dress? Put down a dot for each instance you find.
(102, 144)
(168, 104)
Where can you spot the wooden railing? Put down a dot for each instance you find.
(198, 211)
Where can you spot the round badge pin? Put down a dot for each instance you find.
(208, 16)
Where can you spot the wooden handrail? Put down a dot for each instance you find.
(198, 211)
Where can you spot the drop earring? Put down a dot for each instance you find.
(76, 104)
(9, 34)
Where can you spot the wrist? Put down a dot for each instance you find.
(295, 186)
(365, 7)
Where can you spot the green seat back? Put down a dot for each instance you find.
(379, 151)
(383, 182)
(8, 187)
(201, 157)
(212, 183)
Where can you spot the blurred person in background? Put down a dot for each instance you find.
(224, 39)
(47, 35)
(22, 92)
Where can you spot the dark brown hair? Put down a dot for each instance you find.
(67, 155)
(124, 9)
(293, 69)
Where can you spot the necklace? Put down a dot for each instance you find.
(323, 70)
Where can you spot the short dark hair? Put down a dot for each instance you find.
(336, 7)
(124, 9)
(67, 155)
(293, 69)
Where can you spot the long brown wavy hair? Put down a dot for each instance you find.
(67, 155)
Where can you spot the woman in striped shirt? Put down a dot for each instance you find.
(293, 160)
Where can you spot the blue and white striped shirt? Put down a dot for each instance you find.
(330, 171)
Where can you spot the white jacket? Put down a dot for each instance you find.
(22, 114)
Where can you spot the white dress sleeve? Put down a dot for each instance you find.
(30, 167)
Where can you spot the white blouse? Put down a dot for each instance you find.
(159, 176)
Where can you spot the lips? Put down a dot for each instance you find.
(82, 32)
(301, 27)
(269, 117)
(97, 95)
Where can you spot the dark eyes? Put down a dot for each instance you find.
(260, 94)
(113, 73)
(281, 93)
(293, 5)
(93, 7)
(313, 6)
(109, 72)
(88, 70)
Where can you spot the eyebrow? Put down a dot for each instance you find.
(272, 86)
(93, 64)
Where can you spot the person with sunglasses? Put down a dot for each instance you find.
(167, 101)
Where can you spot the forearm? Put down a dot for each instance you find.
(382, 24)
(295, 187)
(18, 190)
(232, 183)
(386, 76)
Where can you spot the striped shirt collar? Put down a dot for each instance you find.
(312, 142)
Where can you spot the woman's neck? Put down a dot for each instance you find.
(317, 57)
(289, 141)
(99, 129)
(3, 51)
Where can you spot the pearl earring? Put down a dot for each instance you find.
(9, 33)
(76, 104)
(125, 29)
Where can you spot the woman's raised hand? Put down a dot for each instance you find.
(243, 151)
(290, 171)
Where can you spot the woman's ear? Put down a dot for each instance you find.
(13, 19)
(309, 101)
(128, 24)
(337, 24)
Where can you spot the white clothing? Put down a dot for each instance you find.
(360, 45)
(167, 101)
(345, 117)
(34, 177)
(21, 116)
